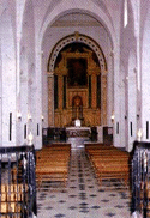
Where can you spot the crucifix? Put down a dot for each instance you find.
(76, 34)
(77, 105)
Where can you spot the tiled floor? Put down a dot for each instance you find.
(82, 197)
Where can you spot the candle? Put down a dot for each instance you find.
(30, 138)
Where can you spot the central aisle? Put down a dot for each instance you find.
(82, 198)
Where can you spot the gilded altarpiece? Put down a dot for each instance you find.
(77, 67)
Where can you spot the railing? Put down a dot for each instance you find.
(17, 182)
(141, 180)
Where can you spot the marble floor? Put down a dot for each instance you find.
(83, 197)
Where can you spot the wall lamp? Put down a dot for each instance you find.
(19, 116)
(42, 118)
(112, 117)
(140, 134)
(29, 117)
(30, 138)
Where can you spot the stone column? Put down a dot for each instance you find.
(117, 97)
(50, 99)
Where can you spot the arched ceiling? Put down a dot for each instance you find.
(58, 13)
(51, 14)
(77, 13)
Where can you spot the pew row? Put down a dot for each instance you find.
(109, 163)
(52, 164)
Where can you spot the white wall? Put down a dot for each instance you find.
(146, 76)
(30, 80)
(132, 100)
(125, 80)
(8, 80)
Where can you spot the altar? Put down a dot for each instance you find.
(77, 136)
(78, 132)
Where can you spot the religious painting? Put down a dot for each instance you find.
(77, 75)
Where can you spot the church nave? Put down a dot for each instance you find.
(83, 197)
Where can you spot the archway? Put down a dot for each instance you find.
(76, 37)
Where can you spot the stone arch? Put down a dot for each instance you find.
(76, 37)
(97, 12)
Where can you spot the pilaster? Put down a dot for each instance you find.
(50, 98)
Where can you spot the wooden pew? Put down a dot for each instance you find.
(12, 202)
(51, 173)
(112, 170)
(52, 163)
(98, 145)
(57, 146)
(109, 162)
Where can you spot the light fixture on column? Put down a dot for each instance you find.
(42, 118)
(19, 116)
(139, 134)
(29, 117)
(112, 117)
(30, 137)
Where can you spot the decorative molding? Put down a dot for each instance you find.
(76, 37)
